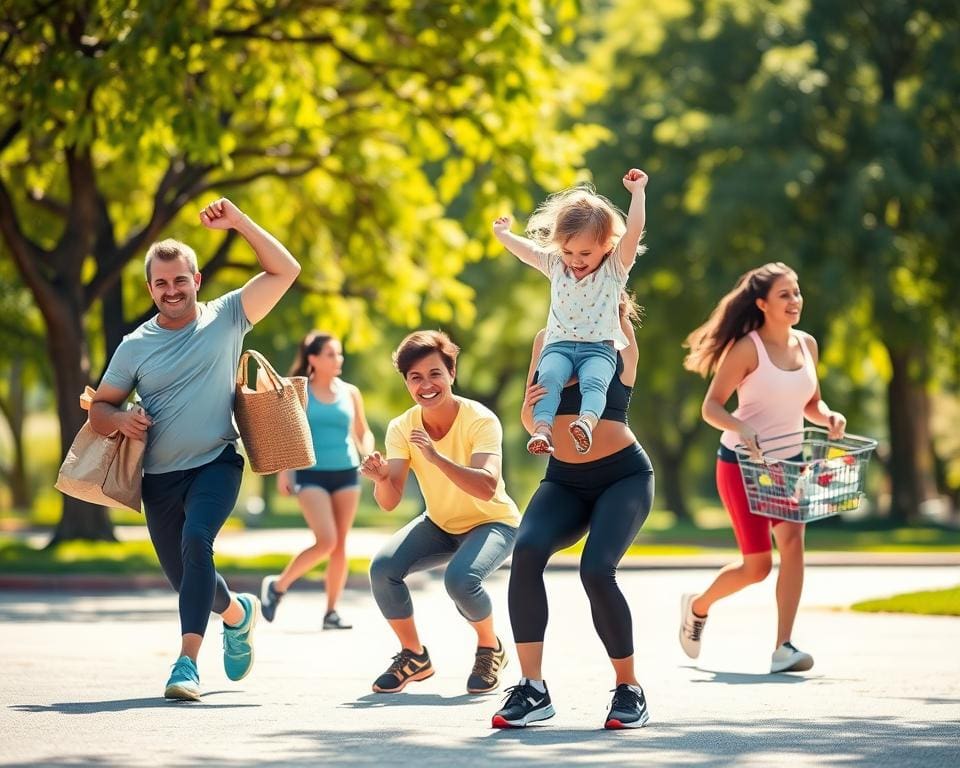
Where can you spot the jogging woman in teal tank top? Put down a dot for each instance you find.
(329, 491)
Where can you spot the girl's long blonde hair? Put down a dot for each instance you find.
(572, 212)
(733, 318)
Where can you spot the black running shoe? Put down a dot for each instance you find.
(332, 620)
(523, 705)
(269, 597)
(487, 665)
(629, 708)
(407, 667)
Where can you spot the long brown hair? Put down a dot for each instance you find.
(733, 318)
(312, 344)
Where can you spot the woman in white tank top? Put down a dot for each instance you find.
(750, 345)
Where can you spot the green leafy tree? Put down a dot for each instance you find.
(888, 176)
(347, 127)
(817, 133)
(671, 83)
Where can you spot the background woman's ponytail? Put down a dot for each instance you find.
(312, 344)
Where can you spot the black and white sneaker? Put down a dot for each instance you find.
(629, 708)
(332, 620)
(523, 705)
(269, 597)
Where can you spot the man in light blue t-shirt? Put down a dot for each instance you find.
(182, 364)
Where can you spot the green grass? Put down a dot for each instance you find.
(654, 549)
(867, 536)
(132, 558)
(938, 602)
(286, 514)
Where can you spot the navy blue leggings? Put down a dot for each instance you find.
(185, 511)
(609, 500)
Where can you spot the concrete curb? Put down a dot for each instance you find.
(707, 561)
(42, 582)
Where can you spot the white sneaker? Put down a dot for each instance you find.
(691, 626)
(788, 658)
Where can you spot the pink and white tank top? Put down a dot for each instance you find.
(771, 400)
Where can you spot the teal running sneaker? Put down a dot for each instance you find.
(184, 682)
(238, 640)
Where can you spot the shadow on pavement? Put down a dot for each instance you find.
(37, 613)
(690, 744)
(925, 700)
(858, 742)
(753, 678)
(406, 699)
(122, 705)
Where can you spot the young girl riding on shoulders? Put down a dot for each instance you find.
(581, 242)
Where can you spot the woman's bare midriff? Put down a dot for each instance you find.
(608, 438)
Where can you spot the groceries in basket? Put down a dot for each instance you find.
(822, 477)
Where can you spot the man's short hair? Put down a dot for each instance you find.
(170, 250)
(421, 344)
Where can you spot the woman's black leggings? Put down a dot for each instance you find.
(609, 499)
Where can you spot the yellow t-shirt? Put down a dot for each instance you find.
(476, 429)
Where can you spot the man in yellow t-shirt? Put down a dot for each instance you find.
(454, 446)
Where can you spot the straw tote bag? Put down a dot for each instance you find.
(272, 418)
(102, 469)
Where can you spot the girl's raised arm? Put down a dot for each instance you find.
(524, 249)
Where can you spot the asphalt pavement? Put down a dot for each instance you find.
(83, 676)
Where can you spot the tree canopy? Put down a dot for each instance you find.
(346, 128)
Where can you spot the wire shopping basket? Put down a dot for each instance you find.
(821, 478)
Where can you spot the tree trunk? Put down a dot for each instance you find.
(268, 492)
(67, 347)
(15, 412)
(669, 474)
(944, 489)
(911, 451)
(668, 441)
(114, 327)
(82, 520)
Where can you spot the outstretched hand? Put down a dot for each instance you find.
(375, 468)
(502, 224)
(221, 214)
(635, 180)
